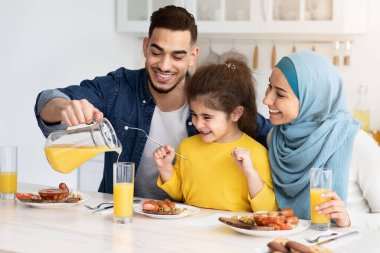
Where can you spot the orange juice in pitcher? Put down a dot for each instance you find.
(67, 150)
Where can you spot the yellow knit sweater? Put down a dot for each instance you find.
(210, 178)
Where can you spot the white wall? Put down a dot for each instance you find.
(48, 44)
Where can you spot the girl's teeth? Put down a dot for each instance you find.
(274, 111)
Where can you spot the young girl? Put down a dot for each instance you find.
(313, 129)
(224, 167)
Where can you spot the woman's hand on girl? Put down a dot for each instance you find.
(335, 209)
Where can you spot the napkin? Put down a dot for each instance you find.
(204, 222)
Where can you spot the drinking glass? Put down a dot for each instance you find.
(8, 172)
(123, 182)
(320, 182)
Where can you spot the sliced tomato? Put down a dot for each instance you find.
(285, 227)
(293, 220)
(26, 196)
(275, 226)
(150, 205)
(169, 203)
(287, 212)
(273, 220)
(161, 204)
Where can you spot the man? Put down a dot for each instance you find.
(151, 98)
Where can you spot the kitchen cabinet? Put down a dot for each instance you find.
(133, 15)
(254, 16)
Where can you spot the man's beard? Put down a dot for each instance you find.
(164, 91)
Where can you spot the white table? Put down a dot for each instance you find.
(73, 229)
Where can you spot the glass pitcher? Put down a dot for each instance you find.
(67, 150)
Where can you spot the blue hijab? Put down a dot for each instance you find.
(321, 136)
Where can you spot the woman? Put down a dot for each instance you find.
(313, 129)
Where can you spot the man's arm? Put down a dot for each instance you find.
(50, 111)
(70, 112)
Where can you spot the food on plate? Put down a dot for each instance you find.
(280, 220)
(51, 195)
(63, 186)
(284, 245)
(267, 221)
(165, 207)
(244, 222)
(27, 196)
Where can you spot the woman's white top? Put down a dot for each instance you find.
(363, 203)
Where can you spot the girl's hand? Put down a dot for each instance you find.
(163, 156)
(243, 160)
(335, 209)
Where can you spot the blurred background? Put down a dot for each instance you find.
(48, 44)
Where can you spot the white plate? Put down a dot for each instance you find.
(302, 225)
(56, 205)
(190, 210)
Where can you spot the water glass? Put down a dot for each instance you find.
(320, 182)
(123, 182)
(8, 172)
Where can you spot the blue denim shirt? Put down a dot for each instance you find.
(124, 99)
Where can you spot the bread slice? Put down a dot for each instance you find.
(158, 212)
(239, 224)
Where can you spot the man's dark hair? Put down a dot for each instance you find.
(174, 18)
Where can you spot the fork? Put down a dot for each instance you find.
(98, 206)
(102, 209)
(150, 138)
(319, 237)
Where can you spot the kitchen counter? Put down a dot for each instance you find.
(75, 229)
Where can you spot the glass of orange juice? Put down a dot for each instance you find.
(320, 182)
(8, 172)
(123, 182)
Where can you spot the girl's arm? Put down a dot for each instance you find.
(243, 159)
(169, 179)
(260, 185)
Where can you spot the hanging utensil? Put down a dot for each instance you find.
(336, 53)
(256, 57)
(274, 56)
(294, 48)
(347, 58)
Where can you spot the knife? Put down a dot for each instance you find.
(339, 237)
